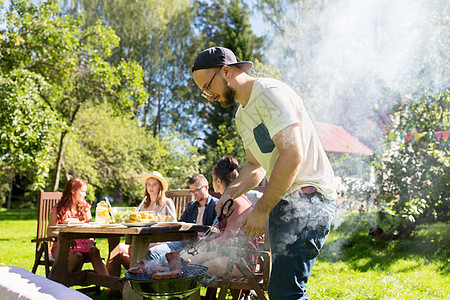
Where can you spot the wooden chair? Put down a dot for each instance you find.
(43, 243)
(180, 198)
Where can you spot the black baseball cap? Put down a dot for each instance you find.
(217, 57)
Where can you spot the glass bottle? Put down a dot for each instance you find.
(102, 213)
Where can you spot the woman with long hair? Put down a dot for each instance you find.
(155, 200)
(74, 205)
(223, 173)
(155, 195)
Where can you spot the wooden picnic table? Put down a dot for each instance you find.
(138, 238)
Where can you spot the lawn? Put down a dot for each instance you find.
(352, 265)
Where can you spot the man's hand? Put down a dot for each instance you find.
(255, 223)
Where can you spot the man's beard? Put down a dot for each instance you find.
(202, 197)
(229, 93)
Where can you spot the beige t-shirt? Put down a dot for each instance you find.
(167, 208)
(201, 212)
(272, 107)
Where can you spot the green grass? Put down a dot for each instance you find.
(352, 265)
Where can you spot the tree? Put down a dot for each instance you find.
(414, 167)
(159, 35)
(226, 24)
(26, 125)
(71, 60)
(112, 152)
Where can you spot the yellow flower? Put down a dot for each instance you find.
(19, 41)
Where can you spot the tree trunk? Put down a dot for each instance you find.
(59, 160)
(10, 193)
(157, 128)
(61, 148)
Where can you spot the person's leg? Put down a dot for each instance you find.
(114, 264)
(75, 262)
(158, 252)
(298, 227)
(97, 262)
(125, 255)
(118, 257)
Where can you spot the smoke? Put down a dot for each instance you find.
(351, 60)
(301, 218)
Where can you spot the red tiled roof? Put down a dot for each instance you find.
(336, 139)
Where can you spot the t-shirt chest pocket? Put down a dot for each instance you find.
(262, 138)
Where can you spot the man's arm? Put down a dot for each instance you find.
(186, 214)
(250, 176)
(288, 142)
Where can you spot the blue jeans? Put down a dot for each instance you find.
(298, 227)
(158, 252)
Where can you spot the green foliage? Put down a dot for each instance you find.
(350, 242)
(147, 35)
(415, 175)
(112, 152)
(228, 143)
(60, 66)
(25, 124)
(233, 32)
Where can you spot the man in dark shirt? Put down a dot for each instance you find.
(202, 209)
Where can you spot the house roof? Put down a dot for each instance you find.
(336, 139)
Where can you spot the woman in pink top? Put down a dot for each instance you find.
(224, 172)
(74, 205)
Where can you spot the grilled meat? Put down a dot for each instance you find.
(174, 260)
(167, 275)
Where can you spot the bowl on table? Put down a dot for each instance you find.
(121, 213)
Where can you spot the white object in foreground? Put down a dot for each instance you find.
(18, 283)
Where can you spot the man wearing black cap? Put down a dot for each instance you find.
(281, 144)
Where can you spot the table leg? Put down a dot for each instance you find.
(60, 267)
(138, 252)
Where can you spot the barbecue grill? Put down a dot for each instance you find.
(193, 276)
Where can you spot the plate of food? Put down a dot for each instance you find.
(140, 217)
(138, 224)
(57, 226)
(78, 225)
(70, 221)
